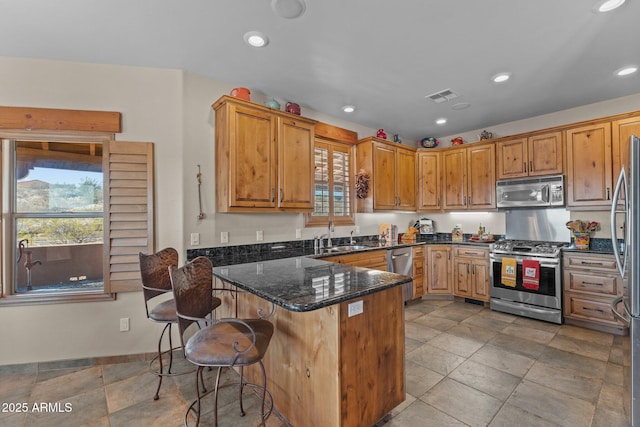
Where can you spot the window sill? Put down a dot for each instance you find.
(21, 300)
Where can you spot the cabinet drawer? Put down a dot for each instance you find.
(579, 281)
(418, 268)
(589, 309)
(470, 252)
(603, 263)
(418, 251)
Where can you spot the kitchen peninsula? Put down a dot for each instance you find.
(337, 354)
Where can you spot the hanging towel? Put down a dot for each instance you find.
(531, 274)
(509, 272)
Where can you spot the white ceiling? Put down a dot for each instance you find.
(383, 56)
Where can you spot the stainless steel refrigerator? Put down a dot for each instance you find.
(627, 307)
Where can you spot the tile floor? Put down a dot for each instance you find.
(466, 366)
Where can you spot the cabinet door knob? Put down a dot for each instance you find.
(524, 166)
(530, 165)
(281, 195)
(273, 194)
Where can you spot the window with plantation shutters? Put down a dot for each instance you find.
(333, 198)
(80, 206)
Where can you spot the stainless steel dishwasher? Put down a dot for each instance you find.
(400, 260)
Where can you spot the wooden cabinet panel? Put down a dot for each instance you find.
(621, 135)
(374, 259)
(264, 159)
(392, 169)
(471, 272)
(545, 154)
(406, 179)
(481, 178)
(439, 270)
(356, 364)
(589, 165)
(511, 158)
(429, 181)
(468, 178)
(419, 266)
(591, 282)
(295, 164)
(462, 280)
(454, 179)
(481, 280)
(384, 176)
(252, 158)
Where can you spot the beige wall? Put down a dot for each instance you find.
(173, 109)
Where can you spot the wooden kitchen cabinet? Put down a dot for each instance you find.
(621, 133)
(591, 282)
(471, 272)
(439, 269)
(264, 159)
(419, 266)
(429, 181)
(468, 179)
(392, 171)
(589, 166)
(375, 259)
(530, 156)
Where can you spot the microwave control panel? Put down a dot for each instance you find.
(557, 195)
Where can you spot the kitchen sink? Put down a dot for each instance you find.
(346, 248)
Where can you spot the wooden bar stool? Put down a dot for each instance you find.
(220, 343)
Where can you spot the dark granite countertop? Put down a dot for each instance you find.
(306, 284)
(231, 255)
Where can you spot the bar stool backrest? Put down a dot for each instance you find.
(193, 292)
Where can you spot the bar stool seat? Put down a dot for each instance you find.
(164, 312)
(221, 343)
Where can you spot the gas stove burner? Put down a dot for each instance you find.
(528, 247)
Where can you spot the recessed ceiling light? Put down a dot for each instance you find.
(501, 77)
(460, 106)
(289, 9)
(348, 108)
(441, 121)
(626, 71)
(607, 5)
(256, 39)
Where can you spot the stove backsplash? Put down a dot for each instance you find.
(538, 224)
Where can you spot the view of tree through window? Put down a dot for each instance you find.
(58, 216)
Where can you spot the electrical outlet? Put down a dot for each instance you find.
(356, 308)
(259, 236)
(224, 237)
(124, 324)
(357, 229)
(195, 239)
(298, 233)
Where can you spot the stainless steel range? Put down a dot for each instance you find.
(526, 276)
(543, 302)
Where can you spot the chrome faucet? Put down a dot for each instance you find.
(351, 241)
(330, 227)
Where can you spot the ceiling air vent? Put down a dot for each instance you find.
(442, 96)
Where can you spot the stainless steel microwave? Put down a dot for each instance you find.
(547, 191)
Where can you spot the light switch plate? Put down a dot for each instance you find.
(259, 236)
(298, 233)
(195, 239)
(224, 237)
(356, 308)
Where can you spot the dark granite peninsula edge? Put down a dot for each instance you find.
(305, 284)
